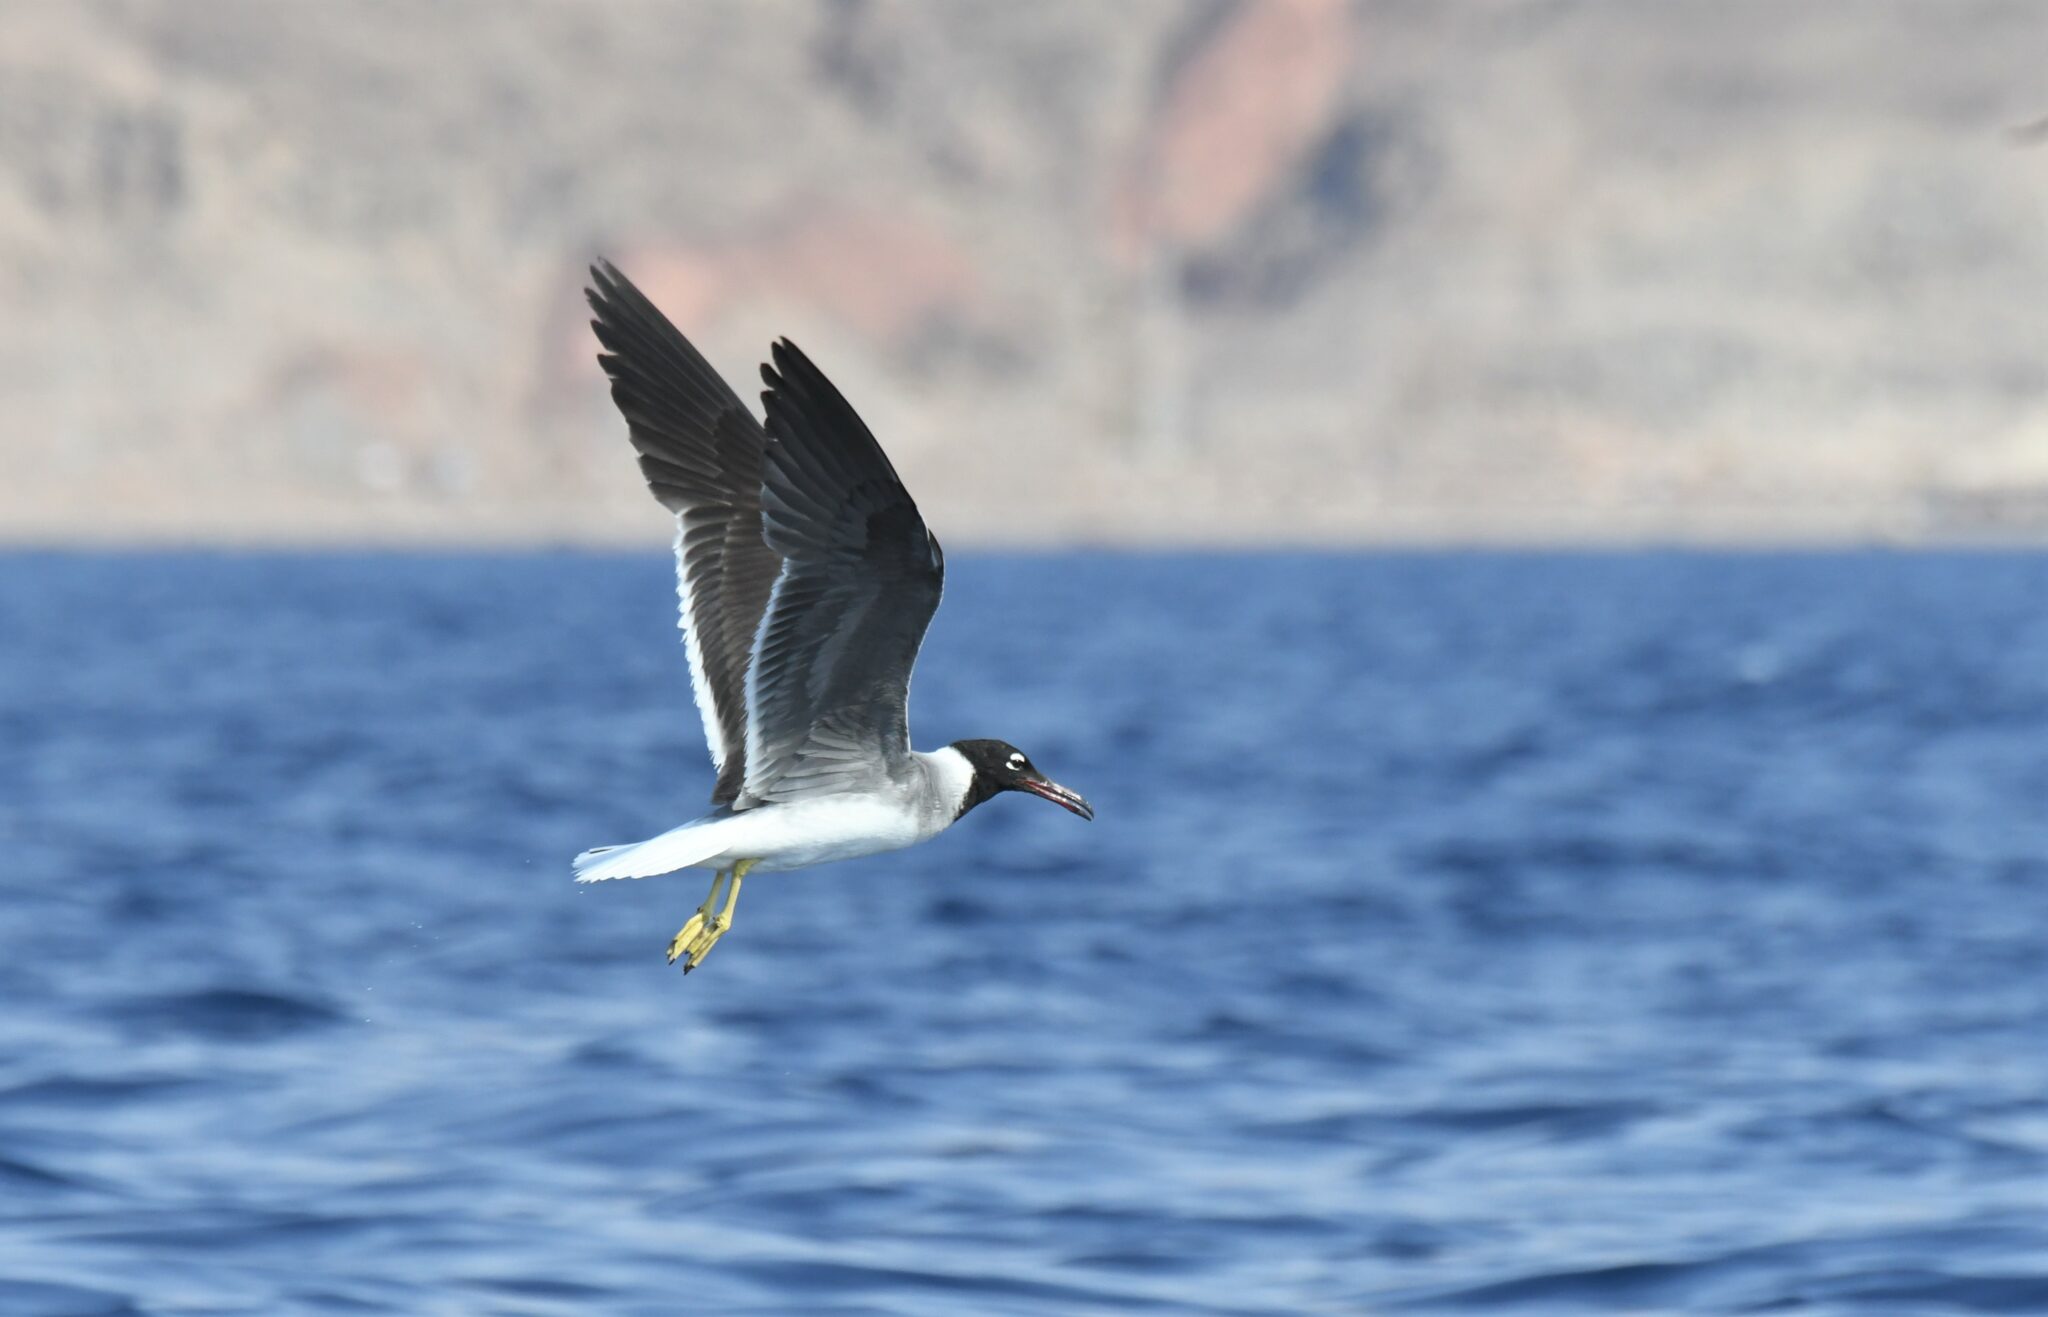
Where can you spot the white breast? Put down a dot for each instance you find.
(806, 832)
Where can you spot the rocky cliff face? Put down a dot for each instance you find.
(1216, 270)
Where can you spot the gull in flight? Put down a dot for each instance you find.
(806, 579)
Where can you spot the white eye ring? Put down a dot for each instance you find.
(1016, 762)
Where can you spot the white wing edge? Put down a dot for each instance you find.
(752, 781)
(755, 762)
(707, 708)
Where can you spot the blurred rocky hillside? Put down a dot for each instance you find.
(1207, 270)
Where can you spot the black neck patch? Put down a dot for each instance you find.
(980, 787)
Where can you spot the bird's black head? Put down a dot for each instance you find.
(1000, 766)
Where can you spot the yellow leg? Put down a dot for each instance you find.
(683, 939)
(714, 928)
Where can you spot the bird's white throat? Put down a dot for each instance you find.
(952, 777)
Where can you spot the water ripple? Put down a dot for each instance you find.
(1587, 933)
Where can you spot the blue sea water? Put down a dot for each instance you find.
(1459, 933)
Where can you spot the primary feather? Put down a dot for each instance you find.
(701, 451)
(805, 576)
(829, 688)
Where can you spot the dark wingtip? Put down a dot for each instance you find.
(603, 290)
(790, 372)
(790, 358)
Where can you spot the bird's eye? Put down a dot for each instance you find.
(1016, 762)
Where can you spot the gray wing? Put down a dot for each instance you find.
(701, 451)
(829, 688)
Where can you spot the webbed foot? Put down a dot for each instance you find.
(701, 934)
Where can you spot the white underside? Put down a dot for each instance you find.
(794, 835)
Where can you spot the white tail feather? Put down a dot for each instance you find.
(678, 848)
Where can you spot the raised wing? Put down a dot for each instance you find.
(829, 688)
(701, 451)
